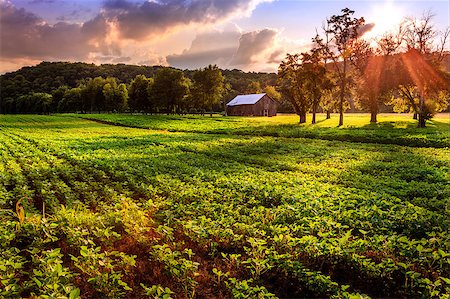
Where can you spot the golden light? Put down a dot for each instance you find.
(386, 18)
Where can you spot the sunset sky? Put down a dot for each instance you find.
(253, 35)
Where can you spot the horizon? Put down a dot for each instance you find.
(250, 36)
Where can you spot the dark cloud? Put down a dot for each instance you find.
(139, 20)
(253, 43)
(229, 49)
(207, 48)
(276, 56)
(196, 60)
(365, 28)
(24, 35)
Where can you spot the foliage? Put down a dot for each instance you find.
(338, 43)
(291, 80)
(170, 89)
(135, 213)
(139, 92)
(56, 77)
(208, 87)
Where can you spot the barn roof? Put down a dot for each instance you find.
(248, 99)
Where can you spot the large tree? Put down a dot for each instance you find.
(291, 81)
(420, 67)
(169, 89)
(316, 80)
(71, 101)
(139, 94)
(208, 87)
(340, 32)
(370, 81)
(116, 96)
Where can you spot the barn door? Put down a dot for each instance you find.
(266, 112)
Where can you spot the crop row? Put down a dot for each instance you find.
(246, 213)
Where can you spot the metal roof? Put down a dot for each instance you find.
(248, 99)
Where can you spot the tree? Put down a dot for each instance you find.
(369, 82)
(169, 89)
(58, 95)
(290, 81)
(139, 94)
(253, 87)
(315, 77)
(328, 102)
(116, 96)
(340, 33)
(272, 92)
(208, 87)
(420, 68)
(72, 100)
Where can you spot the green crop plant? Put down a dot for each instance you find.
(338, 213)
(157, 292)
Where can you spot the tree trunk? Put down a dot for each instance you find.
(328, 114)
(302, 117)
(422, 121)
(314, 109)
(373, 117)
(422, 112)
(342, 94)
(415, 115)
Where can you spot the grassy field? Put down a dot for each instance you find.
(398, 129)
(223, 207)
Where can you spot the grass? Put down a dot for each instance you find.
(178, 208)
(390, 129)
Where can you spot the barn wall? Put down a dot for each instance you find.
(256, 109)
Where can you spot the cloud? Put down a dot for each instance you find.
(365, 28)
(120, 27)
(276, 56)
(254, 50)
(140, 20)
(25, 35)
(252, 44)
(74, 15)
(214, 47)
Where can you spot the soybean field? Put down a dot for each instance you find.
(125, 206)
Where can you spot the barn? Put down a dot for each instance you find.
(252, 105)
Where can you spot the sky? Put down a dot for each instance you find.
(252, 35)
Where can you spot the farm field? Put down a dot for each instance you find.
(199, 207)
(398, 129)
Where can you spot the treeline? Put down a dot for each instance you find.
(80, 87)
(404, 69)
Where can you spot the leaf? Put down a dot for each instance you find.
(39, 284)
(74, 294)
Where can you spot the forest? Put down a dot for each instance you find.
(69, 87)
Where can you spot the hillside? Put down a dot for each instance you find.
(48, 76)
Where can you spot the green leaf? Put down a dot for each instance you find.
(74, 294)
(39, 284)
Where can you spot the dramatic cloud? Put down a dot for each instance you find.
(140, 20)
(208, 48)
(253, 43)
(256, 50)
(120, 23)
(25, 35)
(365, 28)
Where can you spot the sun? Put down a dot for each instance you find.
(386, 18)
